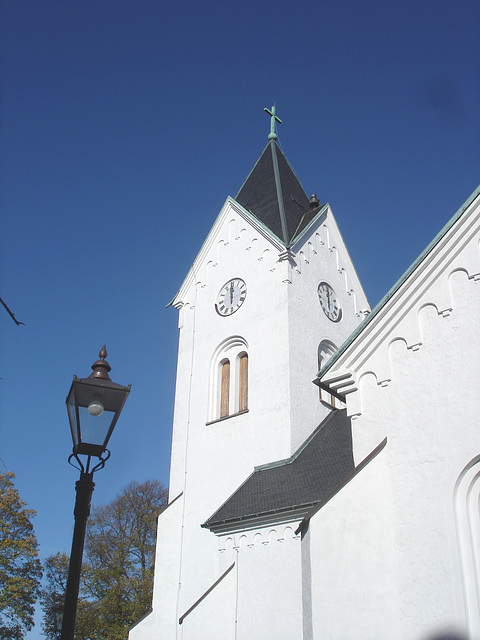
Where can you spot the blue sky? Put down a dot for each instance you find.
(124, 126)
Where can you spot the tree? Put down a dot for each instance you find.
(20, 567)
(117, 574)
(55, 570)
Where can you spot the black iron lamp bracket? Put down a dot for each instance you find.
(88, 469)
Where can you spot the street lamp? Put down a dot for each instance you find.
(94, 405)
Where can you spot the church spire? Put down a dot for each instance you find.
(273, 193)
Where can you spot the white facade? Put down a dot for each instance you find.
(280, 326)
(392, 553)
(411, 376)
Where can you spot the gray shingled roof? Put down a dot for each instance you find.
(273, 193)
(292, 486)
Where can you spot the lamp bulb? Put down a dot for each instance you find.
(95, 408)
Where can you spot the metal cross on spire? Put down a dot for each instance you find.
(273, 118)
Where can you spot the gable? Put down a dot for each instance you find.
(232, 222)
(319, 233)
(426, 282)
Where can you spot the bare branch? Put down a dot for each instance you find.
(11, 314)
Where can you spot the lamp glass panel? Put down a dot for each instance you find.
(72, 414)
(59, 620)
(111, 398)
(94, 429)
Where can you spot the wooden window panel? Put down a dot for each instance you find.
(225, 390)
(243, 383)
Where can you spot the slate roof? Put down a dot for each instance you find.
(291, 487)
(274, 195)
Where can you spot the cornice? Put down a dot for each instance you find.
(325, 226)
(425, 283)
(230, 206)
(260, 520)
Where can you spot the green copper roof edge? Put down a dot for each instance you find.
(204, 243)
(248, 213)
(302, 447)
(210, 519)
(319, 213)
(279, 145)
(272, 465)
(294, 512)
(262, 224)
(278, 189)
(353, 336)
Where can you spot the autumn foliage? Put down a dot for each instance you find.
(117, 572)
(20, 567)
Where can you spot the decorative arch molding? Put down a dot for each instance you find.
(325, 351)
(228, 386)
(466, 502)
(258, 538)
(412, 327)
(228, 344)
(265, 254)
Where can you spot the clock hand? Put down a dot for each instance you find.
(231, 293)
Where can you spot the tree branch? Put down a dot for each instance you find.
(17, 322)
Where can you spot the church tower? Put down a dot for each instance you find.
(270, 296)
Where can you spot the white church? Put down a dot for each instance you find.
(346, 508)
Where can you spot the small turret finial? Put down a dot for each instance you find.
(273, 118)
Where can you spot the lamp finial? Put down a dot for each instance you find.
(101, 367)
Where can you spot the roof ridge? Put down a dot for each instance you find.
(297, 452)
(278, 185)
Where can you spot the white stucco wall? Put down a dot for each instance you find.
(220, 455)
(269, 582)
(281, 324)
(214, 617)
(320, 255)
(353, 564)
(432, 428)
(167, 571)
(409, 516)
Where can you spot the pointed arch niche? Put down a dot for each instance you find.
(228, 388)
(466, 499)
(326, 349)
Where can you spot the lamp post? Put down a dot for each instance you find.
(94, 405)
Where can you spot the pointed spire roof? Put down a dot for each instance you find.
(273, 193)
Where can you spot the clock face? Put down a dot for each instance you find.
(231, 297)
(328, 302)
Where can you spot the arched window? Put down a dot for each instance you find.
(228, 392)
(326, 349)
